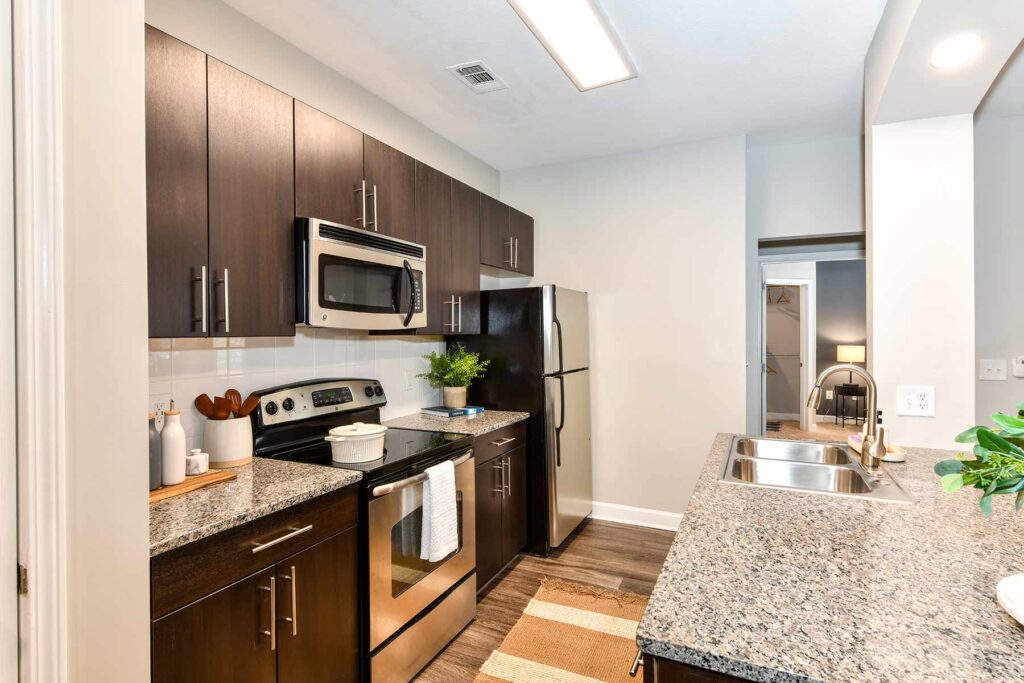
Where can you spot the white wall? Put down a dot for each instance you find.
(807, 188)
(105, 329)
(231, 37)
(999, 244)
(922, 272)
(184, 368)
(658, 240)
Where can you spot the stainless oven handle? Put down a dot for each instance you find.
(385, 489)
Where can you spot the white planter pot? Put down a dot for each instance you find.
(229, 442)
(454, 397)
(354, 443)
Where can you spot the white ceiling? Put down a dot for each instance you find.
(707, 68)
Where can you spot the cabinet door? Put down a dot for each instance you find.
(465, 241)
(393, 208)
(495, 246)
(252, 205)
(218, 638)
(434, 231)
(328, 168)
(318, 612)
(521, 233)
(513, 512)
(489, 546)
(176, 220)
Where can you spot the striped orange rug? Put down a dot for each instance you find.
(569, 633)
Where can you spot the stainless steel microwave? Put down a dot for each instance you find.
(356, 279)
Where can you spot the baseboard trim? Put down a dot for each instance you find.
(634, 516)
(783, 416)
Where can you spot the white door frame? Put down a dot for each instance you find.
(39, 303)
(808, 343)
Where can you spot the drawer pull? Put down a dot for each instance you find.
(503, 442)
(280, 539)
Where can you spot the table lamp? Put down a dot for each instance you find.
(850, 353)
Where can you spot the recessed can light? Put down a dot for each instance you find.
(956, 51)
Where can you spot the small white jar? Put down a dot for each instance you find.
(354, 443)
(172, 448)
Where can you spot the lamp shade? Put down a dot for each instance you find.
(846, 353)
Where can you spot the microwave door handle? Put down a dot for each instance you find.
(412, 293)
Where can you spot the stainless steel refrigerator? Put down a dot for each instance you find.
(537, 341)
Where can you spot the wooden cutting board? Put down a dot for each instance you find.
(192, 483)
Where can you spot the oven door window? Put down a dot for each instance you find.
(407, 569)
(362, 286)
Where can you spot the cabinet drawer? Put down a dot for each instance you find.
(492, 444)
(185, 574)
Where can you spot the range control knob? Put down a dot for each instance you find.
(368, 390)
(270, 408)
(379, 390)
(287, 404)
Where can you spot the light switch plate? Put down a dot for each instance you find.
(830, 395)
(992, 370)
(915, 400)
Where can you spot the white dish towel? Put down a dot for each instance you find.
(440, 513)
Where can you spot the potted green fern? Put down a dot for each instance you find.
(453, 371)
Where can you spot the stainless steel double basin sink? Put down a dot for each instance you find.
(807, 466)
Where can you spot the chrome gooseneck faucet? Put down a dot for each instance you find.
(873, 448)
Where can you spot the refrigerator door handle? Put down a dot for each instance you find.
(561, 421)
(561, 362)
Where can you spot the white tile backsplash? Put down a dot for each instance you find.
(181, 369)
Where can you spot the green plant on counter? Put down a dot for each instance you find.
(457, 367)
(998, 464)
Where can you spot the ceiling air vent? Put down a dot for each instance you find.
(478, 77)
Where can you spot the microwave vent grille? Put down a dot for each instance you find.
(372, 240)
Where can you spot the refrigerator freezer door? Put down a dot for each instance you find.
(567, 446)
(566, 330)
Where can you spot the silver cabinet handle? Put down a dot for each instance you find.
(511, 258)
(385, 489)
(460, 313)
(294, 618)
(502, 442)
(273, 613)
(451, 304)
(506, 466)
(375, 209)
(227, 301)
(516, 260)
(500, 467)
(201, 279)
(637, 663)
(361, 191)
(260, 547)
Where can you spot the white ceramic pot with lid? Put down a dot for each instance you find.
(358, 442)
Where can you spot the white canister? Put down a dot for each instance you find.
(359, 442)
(229, 442)
(172, 449)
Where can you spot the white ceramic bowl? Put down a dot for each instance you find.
(359, 442)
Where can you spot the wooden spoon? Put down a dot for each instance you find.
(204, 404)
(221, 408)
(235, 398)
(248, 406)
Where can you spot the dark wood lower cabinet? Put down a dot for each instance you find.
(219, 638)
(500, 512)
(660, 670)
(513, 520)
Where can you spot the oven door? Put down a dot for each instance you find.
(401, 584)
(363, 287)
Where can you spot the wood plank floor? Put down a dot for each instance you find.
(604, 554)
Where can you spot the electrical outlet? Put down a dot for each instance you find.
(158, 403)
(829, 395)
(915, 401)
(992, 370)
(410, 376)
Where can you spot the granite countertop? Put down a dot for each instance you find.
(487, 421)
(775, 585)
(263, 487)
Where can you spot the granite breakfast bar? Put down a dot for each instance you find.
(777, 585)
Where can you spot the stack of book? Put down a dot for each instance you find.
(446, 413)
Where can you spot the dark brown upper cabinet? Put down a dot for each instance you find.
(390, 190)
(252, 205)
(176, 220)
(465, 241)
(328, 168)
(520, 230)
(495, 245)
(434, 231)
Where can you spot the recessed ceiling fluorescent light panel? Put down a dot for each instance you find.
(578, 36)
(956, 51)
